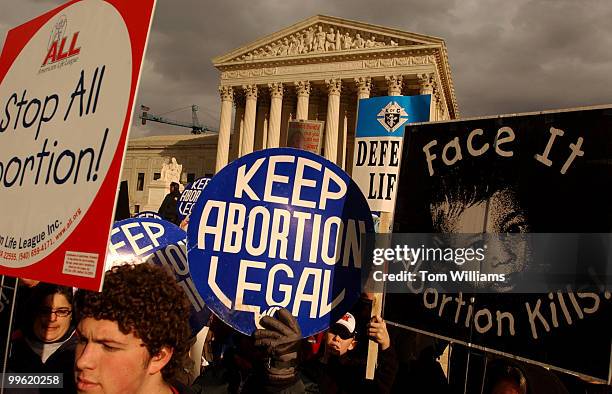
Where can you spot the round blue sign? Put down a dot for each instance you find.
(279, 228)
(162, 243)
(189, 196)
(148, 214)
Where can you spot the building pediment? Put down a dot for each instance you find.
(323, 36)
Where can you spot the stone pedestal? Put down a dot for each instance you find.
(157, 191)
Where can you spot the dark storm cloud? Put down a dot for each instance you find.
(505, 56)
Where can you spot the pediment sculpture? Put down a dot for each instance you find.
(319, 39)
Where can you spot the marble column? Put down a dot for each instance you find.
(264, 130)
(227, 99)
(313, 103)
(248, 137)
(343, 128)
(302, 90)
(274, 122)
(288, 110)
(364, 86)
(426, 86)
(394, 85)
(238, 125)
(350, 137)
(443, 112)
(334, 86)
(439, 105)
(261, 119)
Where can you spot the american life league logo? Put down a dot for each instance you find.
(378, 144)
(60, 48)
(392, 116)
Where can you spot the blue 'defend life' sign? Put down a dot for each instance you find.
(387, 116)
(379, 138)
(148, 214)
(278, 228)
(162, 243)
(189, 196)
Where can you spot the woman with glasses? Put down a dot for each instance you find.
(46, 343)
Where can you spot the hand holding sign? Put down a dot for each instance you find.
(280, 333)
(280, 336)
(278, 228)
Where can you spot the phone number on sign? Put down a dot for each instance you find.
(33, 380)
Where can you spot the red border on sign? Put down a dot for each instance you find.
(92, 233)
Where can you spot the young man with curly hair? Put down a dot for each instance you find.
(133, 336)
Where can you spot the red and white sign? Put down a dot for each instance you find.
(305, 134)
(67, 85)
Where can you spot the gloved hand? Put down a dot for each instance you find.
(281, 338)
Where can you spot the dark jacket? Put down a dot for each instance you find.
(347, 375)
(180, 388)
(167, 210)
(23, 359)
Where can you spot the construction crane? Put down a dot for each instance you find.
(195, 126)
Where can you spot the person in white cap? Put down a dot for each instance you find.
(340, 337)
(336, 368)
(340, 369)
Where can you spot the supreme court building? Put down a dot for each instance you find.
(318, 69)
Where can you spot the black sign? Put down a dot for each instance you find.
(532, 173)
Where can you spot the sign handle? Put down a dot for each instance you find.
(373, 346)
(385, 226)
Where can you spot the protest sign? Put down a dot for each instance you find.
(530, 173)
(305, 134)
(189, 196)
(162, 243)
(378, 150)
(278, 228)
(378, 144)
(148, 214)
(68, 80)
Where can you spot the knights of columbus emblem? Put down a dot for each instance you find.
(392, 116)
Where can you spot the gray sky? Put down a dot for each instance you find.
(505, 56)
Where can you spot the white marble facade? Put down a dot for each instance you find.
(146, 157)
(318, 69)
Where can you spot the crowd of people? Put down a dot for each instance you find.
(134, 337)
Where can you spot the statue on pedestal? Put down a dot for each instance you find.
(171, 172)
